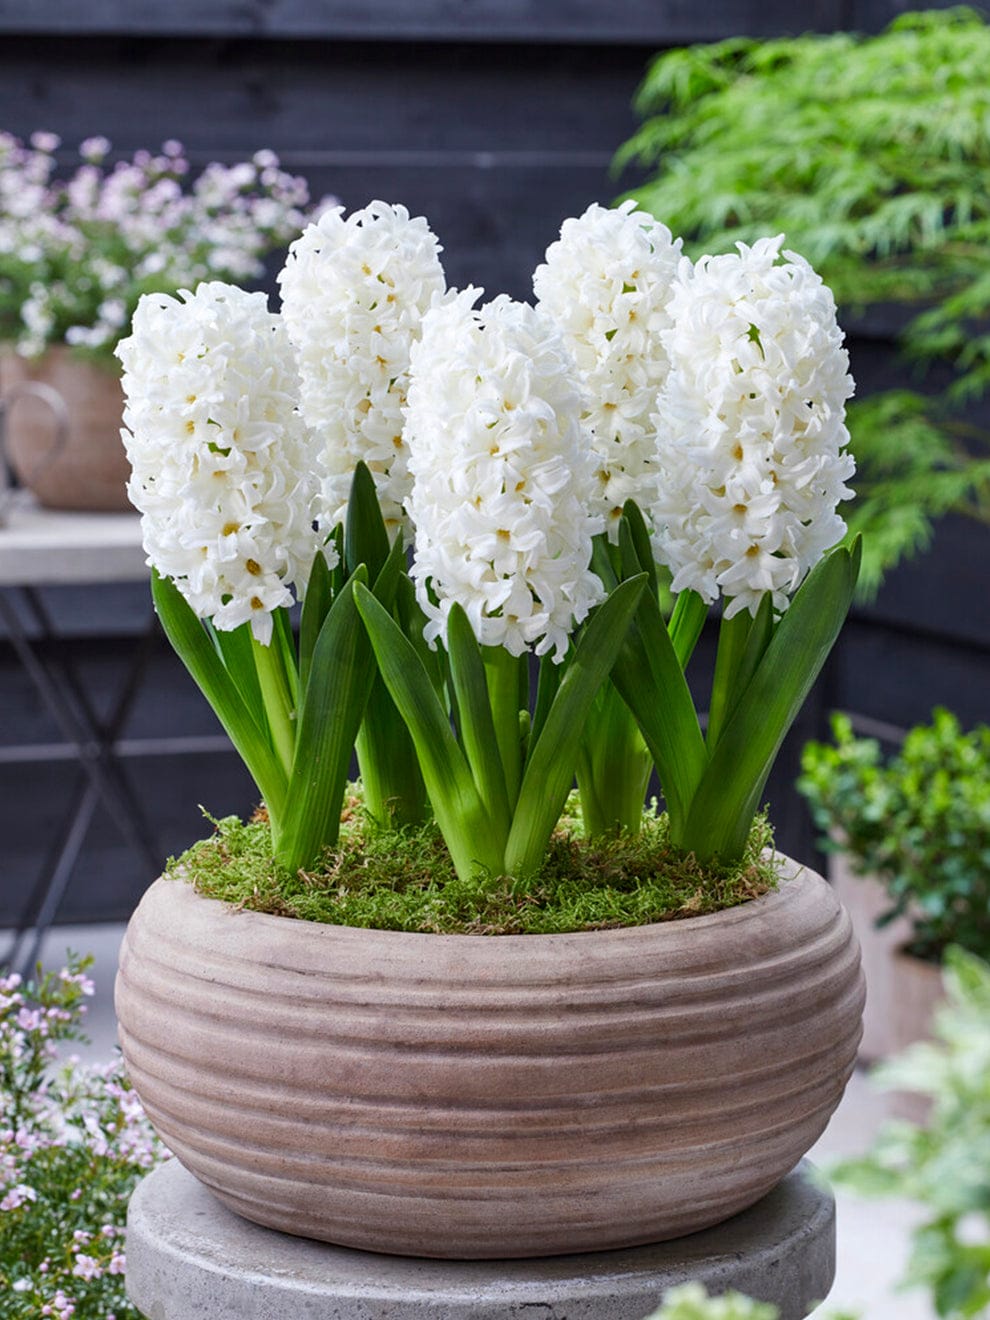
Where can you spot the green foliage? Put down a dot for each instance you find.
(765, 668)
(691, 1302)
(74, 1142)
(945, 1165)
(872, 155)
(295, 717)
(921, 823)
(497, 787)
(405, 880)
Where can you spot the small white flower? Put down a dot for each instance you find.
(751, 426)
(354, 293)
(222, 462)
(501, 469)
(606, 283)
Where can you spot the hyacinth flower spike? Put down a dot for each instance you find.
(354, 293)
(751, 467)
(503, 538)
(224, 477)
(606, 284)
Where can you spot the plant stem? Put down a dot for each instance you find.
(276, 693)
(502, 674)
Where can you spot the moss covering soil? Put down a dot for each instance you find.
(404, 881)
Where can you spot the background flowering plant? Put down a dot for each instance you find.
(542, 459)
(73, 1144)
(77, 254)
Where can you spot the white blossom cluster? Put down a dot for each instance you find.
(501, 473)
(354, 293)
(606, 283)
(223, 469)
(751, 426)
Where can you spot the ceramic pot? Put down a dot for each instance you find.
(468, 1096)
(61, 391)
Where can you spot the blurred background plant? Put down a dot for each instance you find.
(919, 822)
(74, 1142)
(945, 1165)
(77, 253)
(872, 155)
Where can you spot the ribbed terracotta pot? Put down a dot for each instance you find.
(472, 1096)
(91, 470)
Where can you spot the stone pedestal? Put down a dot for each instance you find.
(189, 1258)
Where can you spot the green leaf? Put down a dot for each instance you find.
(197, 653)
(547, 683)
(365, 537)
(341, 674)
(686, 623)
(412, 621)
(728, 795)
(634, 526)
(476, 724)
(457, 805)
(743, 640)
(650, 680)
(319, 597)
(237, 652)
(550, 767)
(285, 644)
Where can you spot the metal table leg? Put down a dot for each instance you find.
(105, 781)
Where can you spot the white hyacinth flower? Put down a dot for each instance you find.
(222, 462)
(354, 293)
(501, 470)
(606, 283)
(751, 426)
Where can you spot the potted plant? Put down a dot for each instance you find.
(495, 1039)
(909, 840)
(76, 254)
(863, 149)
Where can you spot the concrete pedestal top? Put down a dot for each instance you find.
(189, 1258)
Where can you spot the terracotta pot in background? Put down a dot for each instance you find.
(91, 471)
(902, 992)
(470, 1096)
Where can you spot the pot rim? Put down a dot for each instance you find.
(793, 877)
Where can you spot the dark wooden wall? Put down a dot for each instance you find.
(496, 119)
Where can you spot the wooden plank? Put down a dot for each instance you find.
(643, 22)
(874, 15)
(332, 102)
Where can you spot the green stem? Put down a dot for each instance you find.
(732, 637)
(502, 674)
(276, 694)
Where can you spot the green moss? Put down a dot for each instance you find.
(404, 880)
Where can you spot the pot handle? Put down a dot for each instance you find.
(60, 414)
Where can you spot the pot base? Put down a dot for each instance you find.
(187, 1255)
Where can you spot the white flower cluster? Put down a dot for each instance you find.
(751, 426)
(354, 293)
(501, 473)
(223, 469)
(606, 283)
